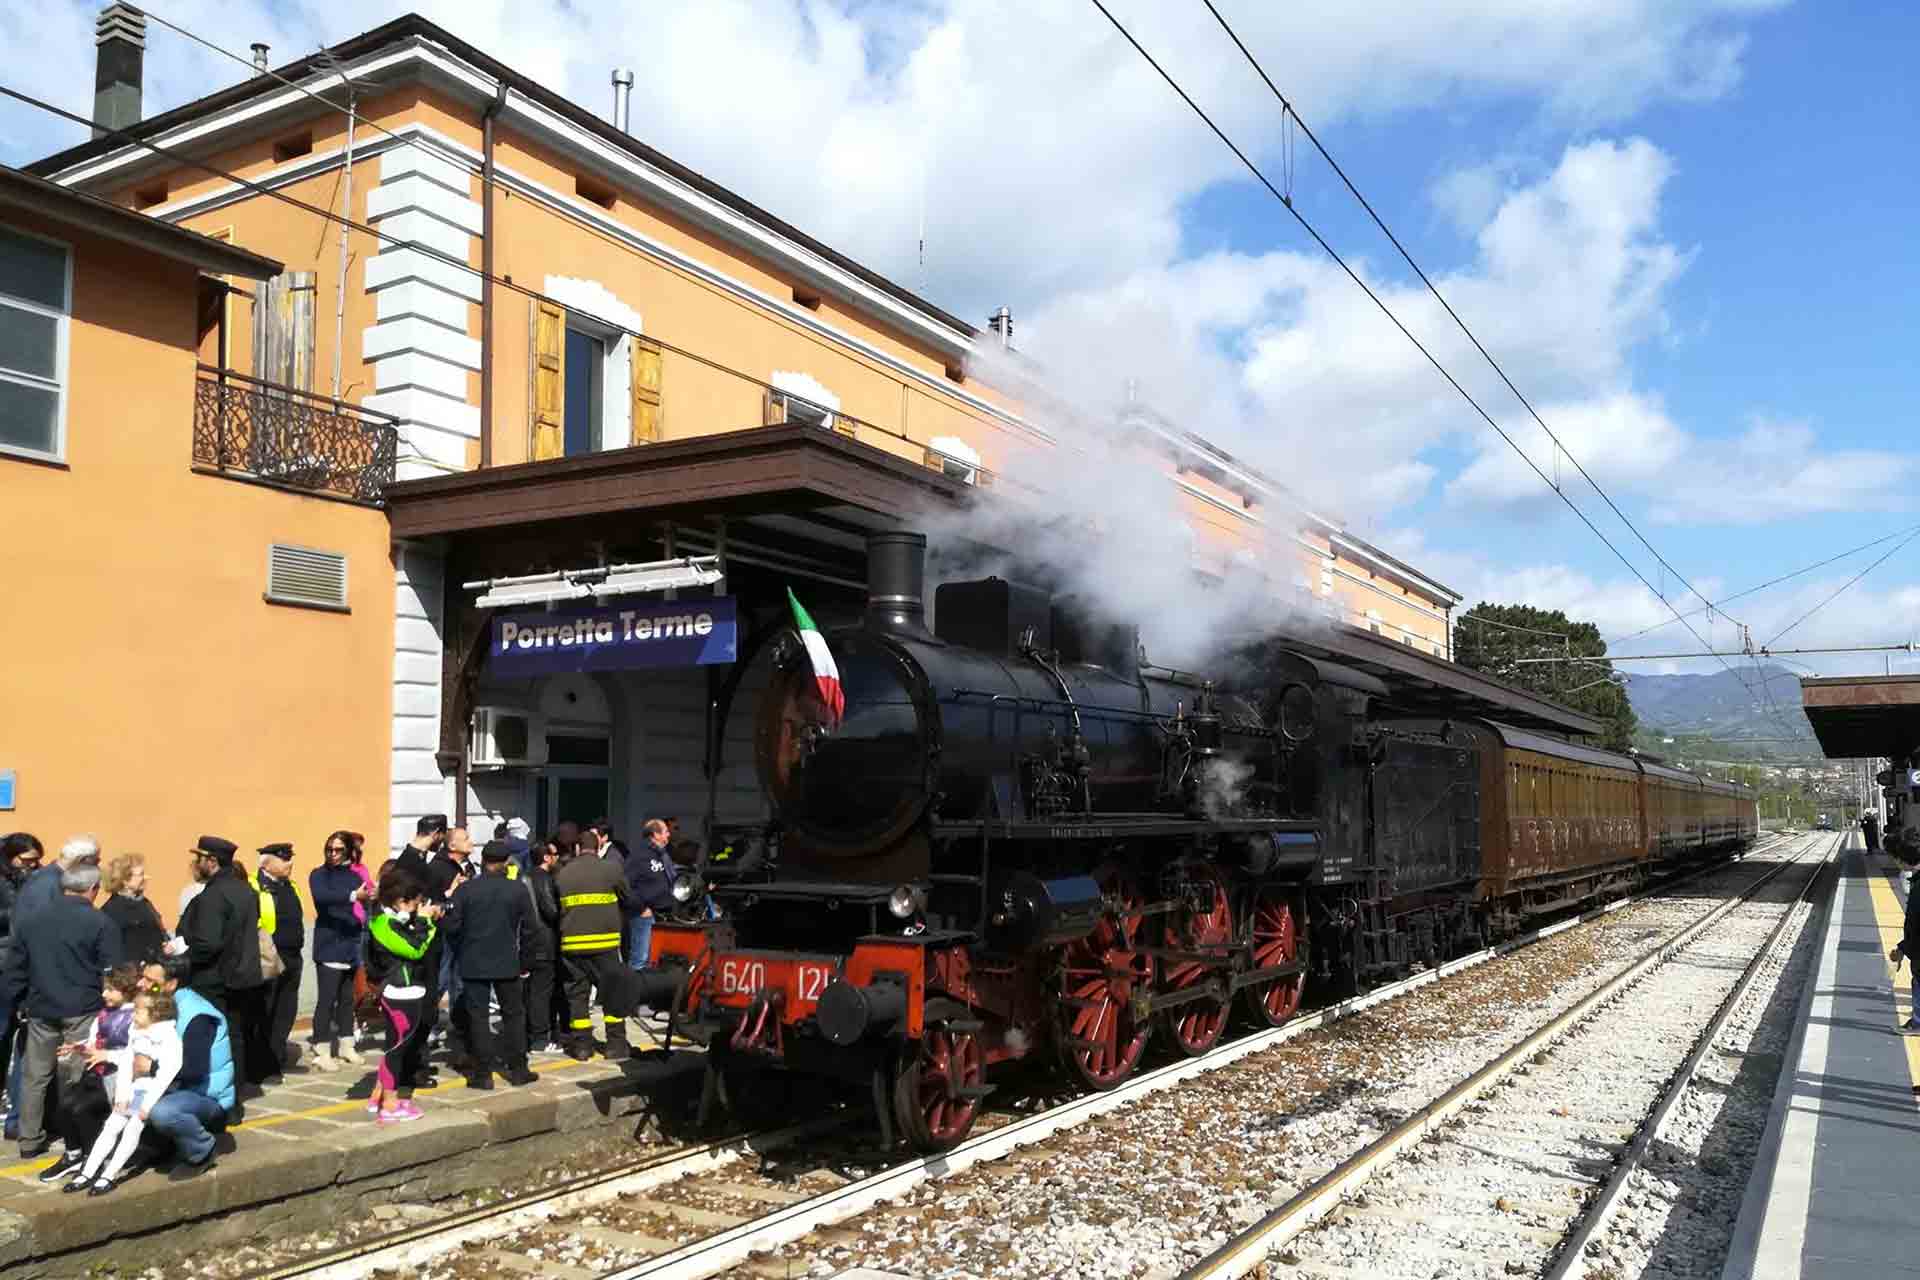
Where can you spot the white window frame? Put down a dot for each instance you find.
(805, 399)
(616, 379)
(63, 330)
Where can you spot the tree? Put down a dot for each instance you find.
(1498, 639)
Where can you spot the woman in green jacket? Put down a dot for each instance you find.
(397, 942)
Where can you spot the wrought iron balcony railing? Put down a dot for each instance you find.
(245, 427)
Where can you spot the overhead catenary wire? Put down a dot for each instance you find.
(1397, 323)
(1891, 552)
(1772, 582)
(1292, 113)
(451, 260)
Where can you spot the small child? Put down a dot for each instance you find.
(84, 1099)
(396, 945)
(142, 1073)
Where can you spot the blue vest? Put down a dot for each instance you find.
(218, 1085)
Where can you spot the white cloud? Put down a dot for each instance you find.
(1280, 357)
(1045, 153)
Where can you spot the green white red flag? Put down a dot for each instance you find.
(825, 674)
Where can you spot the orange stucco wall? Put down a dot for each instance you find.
(148, 692)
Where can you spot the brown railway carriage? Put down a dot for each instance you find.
(1551, 812)
(1560, 822)
(1673, 806)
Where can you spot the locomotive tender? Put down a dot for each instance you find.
(1021, 839)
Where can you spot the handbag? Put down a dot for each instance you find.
(271, 965)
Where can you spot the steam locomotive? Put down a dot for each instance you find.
(1022, 839)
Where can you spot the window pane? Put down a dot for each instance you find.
(33, 269)
(29, 343)
(27, 416)
(586, 356)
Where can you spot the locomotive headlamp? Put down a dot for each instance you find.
(687, 886)
(906, 900)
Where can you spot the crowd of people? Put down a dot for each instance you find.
(133, 1045)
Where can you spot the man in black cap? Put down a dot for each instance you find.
(289, 932)
(220, 935)
(424, 856)
(490, 922)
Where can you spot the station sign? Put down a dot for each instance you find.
(622, 637)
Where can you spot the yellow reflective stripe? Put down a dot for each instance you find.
(582, 1024)
(589, 899)
(601, 942)
(591, 937)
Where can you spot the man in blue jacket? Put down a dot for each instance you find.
(650, 886)
(63, 951)
(193, 1113)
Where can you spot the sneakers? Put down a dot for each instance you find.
(400, 1113)
(1911, 1027)
(59, 1169)
(326, 1060)
(348, 1054)
(100, 1187)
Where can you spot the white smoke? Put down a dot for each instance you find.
(1221, 790)
(1097, 515)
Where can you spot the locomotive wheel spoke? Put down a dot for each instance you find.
(1195, 1028)
(1101, 1039)
(1276, 941)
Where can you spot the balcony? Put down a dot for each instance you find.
(290, 439)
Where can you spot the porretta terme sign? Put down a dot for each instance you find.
(681, 633)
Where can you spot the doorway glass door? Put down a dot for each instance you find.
(577, 800)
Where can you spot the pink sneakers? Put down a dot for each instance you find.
(400, 1112)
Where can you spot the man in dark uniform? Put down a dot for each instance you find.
(490, 920)
(1870, 828)
(423, 856)
(289, 935)
(220, 934)
(593, 910)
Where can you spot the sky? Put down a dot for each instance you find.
(1683, 227)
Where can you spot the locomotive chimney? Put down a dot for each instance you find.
(896, 581)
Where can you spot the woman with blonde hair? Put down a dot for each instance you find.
(141, 933)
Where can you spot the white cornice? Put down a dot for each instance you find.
(1410, 577)
(417, 56)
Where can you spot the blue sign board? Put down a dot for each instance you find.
(7, 780)
(622, 637)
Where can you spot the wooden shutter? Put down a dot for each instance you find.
(774, 408)
(646, 391)
(283, 330)
(549, 380)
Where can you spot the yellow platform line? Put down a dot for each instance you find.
(325, 1109)
(1892, 921)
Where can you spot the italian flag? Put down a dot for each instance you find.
(825, 674)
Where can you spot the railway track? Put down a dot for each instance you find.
(1518, 1168)
(711, 1209)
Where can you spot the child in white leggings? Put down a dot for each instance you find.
(144, 1070)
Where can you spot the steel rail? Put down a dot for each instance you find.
(411, 1245)
(1600, 1210)
(1250, 1248)
(398, 1247)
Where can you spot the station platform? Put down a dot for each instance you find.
(1833, 1192)
(306, 1152)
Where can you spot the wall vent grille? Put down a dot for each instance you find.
(303, 576)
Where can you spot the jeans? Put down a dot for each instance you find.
(44, 1038)
(333, 1011)
(191, 1120)
(6, 1047)
(639, 941)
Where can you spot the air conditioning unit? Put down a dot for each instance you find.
(507, 738)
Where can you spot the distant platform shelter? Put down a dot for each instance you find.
(1862, 717)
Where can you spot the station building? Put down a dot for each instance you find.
(547, 378)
